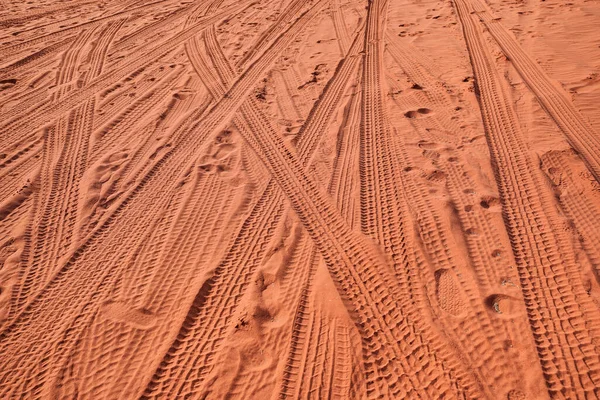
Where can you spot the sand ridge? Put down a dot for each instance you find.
(299, 199)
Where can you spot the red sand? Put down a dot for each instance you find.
(299, 199)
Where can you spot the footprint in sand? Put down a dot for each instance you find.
(449, 293)
(139, 318)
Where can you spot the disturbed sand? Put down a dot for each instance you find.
(260, 199)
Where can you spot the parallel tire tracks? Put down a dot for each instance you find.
(553, 292)
(553, 99)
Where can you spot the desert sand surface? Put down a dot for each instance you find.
(299, 199)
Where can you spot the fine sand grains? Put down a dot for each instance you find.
(296, 199)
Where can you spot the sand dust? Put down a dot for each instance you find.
(294, 199)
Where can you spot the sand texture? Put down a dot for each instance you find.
(299, 199)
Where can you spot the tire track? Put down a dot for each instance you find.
(16, 50)
(156, 290)
(554, 100)
(151, 29)
(341, 30)
(248, 380)
(292, 383)
(21, 125)
(428, 87)
(545, 261)
(107, 133)
(196, 241)
(45, 54)
(574, 188)
(384, 217)
(52, 228)
(187, 237)
(347, 199)
(34, 60)
(93, 283)
(489, 258)
(287, 106)
(16, 19)
(285, 20)
(471, 329)
(36, 267)
(345, 181)
(284, 168)
(17, 166)
(227, 73)
(112, 133)
(20, 20)
(31, 94)
(310, 133)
